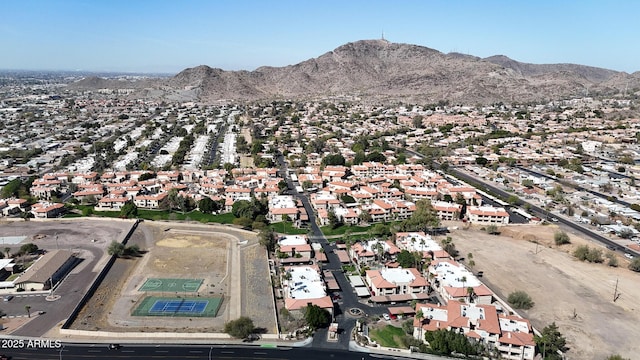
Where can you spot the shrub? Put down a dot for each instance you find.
(583, 252)
(492, 230)
(612, 259)
(520, 300)
(561, 238)
(239, 328)
(634, 265)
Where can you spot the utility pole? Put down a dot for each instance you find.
(615, 291)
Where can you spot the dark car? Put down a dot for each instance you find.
(114, 346)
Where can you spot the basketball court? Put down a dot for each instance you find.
(171, 285)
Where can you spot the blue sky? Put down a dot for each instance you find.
(170, 35)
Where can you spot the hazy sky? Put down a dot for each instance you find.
(170, 35)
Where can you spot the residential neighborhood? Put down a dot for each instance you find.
(357, 200)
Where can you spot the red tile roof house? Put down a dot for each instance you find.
(149, 201)
(479, 322)
(396, 281)
(365, 252)
(295, 246)
(487, 215)
(46, 210)
(112, 202)
(96, 191)
(447, 210)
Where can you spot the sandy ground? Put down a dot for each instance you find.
(577, 296)
(228, 260)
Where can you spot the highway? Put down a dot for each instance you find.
(178, 352)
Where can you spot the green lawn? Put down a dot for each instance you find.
(165, 215)
(286, 227)
(328, 231)
(388, 336)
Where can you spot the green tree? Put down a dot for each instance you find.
(208, 206)
(561, 238)
(28, 248)
(316, 317)
(405, 259)
(267, 238)
(240, 328)
(449, 247)
(482, 161)
(11, 189)
(334, 220)
(129, 210)
(115, 248)
(520, 300)
(243, 208)
(333, 159)
(550, 342)
(446, 342)
(423, 218)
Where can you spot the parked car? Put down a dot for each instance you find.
(628, 256)
(386, 316)
(8, 298)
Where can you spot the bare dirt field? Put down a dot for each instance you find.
(226, 259)
(577, 296)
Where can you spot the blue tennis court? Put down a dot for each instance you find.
(179, 306)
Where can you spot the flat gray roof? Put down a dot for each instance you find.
(45, 267)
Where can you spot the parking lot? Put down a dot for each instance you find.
(88, 239)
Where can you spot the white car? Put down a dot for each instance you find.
(386, 317)
(628, 256)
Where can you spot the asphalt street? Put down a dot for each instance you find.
(56, 351)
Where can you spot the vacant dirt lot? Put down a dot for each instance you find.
(577, 296)
(223, 257)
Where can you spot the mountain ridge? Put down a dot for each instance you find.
(383, 70)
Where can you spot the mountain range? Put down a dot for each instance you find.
(384, 71)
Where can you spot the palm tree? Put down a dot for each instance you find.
(420, 316)
(464, 280)
(8, 251)
(378, 248)
(28, 309)
(471, 293)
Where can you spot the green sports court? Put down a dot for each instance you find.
(183, 307)
(171, 285)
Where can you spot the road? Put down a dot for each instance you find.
(542, 213)
(156, 352)
(575, 186)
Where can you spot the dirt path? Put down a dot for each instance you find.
(577, 296)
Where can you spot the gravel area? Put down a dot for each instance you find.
(577, 296)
